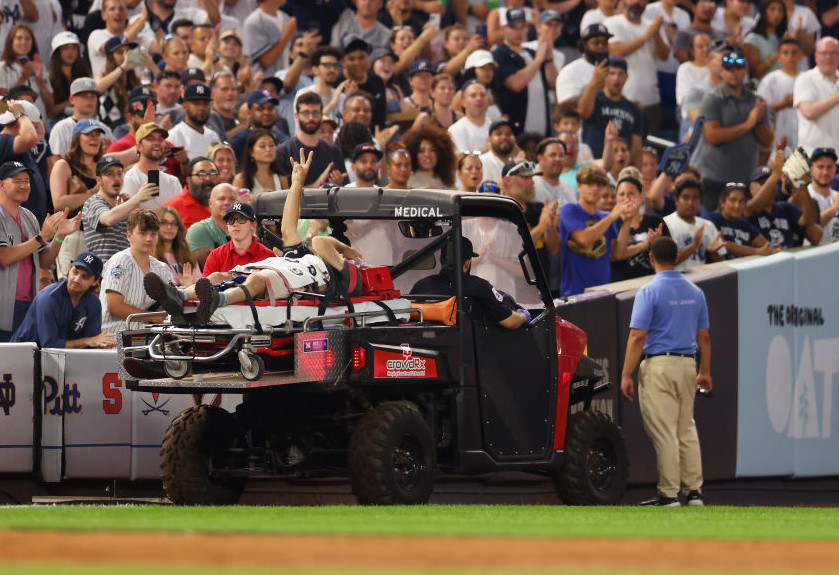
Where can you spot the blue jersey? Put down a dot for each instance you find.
(780, 226)
(52, 319)
(584, 267)
(739, 231)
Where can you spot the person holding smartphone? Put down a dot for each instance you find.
(151, 145)
(21, 64)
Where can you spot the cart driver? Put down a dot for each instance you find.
(330, 267)
(498, 306)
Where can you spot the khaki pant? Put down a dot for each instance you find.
(666, 392)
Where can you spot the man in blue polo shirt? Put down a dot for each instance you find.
(669, 322)
(68, 314)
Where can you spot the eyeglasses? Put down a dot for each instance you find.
(488, 187)
(733, 62)
(205, 175)
(241, 220)
(523, 167)
(168, 224)
(330, 65)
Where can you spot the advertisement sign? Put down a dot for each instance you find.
(17, 367)
(52, 414)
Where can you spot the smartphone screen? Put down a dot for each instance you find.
(154, 178)
(481, 30)
(314, 25)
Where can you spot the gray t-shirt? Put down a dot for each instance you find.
(10, 236)
(102, 240)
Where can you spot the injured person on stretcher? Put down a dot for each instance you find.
(329, 267)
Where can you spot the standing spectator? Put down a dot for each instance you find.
(103, 215)
(309, 115)
(822, 172)
(84, 96)
(21, 63)
(703, 13)
(267, 33)
(542, 219)
(605, 9)
(207, 235)
(550, 153)
(13, 12)
(326, 67)
(693, 99)
(502, 142)
(24, 246)
(603, 101)
(192, 134)
(691, 73)
(65, 64)
(589, 236)
(815, 96)
(175, 53)
(805, 27)
(777, 89)
(441, 114)
(521, 86)
(549, 29)
(242, 248)
(573, 78)
(163, 13)
(433, 156)
(740, 238)
(115, 16)
(118, 79)
(471, 132)
(639, 41)
(151, 145)
(736, 125)
(698, 239)
(67, 314)
(122, 292)
(674, 18)
(761, 44)
(262, 112)
(224, 93)
(480, 66)
(365, 158)
(73, 178)
(383, 62)
(18, 138)
(192, 202)
(735, 19)
(173, 248)
(357, 68)
(419, 77)
(362, 22)
(665, 338)
(167, 88)
(644, 228)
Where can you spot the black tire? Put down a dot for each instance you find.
(195, 440)
(392, 456)
(595, 466)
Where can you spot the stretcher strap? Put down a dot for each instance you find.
(257, 326)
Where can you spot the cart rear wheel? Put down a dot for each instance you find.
(177, 369)
(252, 366)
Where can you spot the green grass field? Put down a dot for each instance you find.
(712, 522)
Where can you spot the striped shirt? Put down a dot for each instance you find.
(123, 275)
(102, 240)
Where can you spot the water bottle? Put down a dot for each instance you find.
(143, 71)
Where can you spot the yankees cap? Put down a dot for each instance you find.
(90, 262)
(241, 208)
(197, 92)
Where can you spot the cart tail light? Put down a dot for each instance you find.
(359, 358)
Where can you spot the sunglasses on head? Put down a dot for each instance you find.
(733, 62)
(488, 187)
(522, 167)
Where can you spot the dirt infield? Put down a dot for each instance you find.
(167, 549)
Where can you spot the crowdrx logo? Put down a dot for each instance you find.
(408, 362)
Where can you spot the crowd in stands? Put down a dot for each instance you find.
(134, 131)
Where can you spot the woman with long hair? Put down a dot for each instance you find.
(119, 78)
(470, 172)
(457, 45)
(73, 178)
(173, 249)
(21, 64)
(442, 94)
(761, 44)
(223, 156)
(433, 157)
(65, 65)
(175, 54)
(259, 168)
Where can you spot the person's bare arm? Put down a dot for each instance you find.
(27, 137)
(815, 110)
(634, 349)
(30, 11)
(273, 54)
(414, 51)
(586, 237)
(518, 81)
(703, 342)
(291, 208)
(765, 196)
(655, 193)
(585, 105)
(627, 48)
(514, 321)
(119, 309)
(101, 341)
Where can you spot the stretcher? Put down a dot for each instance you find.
(244, 337)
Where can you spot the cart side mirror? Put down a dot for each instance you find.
(419, 229)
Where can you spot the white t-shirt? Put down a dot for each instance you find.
(831, 230)
(682, 233)
(593, 16)
(492, 165)
(195, 142)
(680, 18)
(809, 25)
(536, 110)
(718, 22)
(773, 88)
(469, 137)
(812, 86)
(122, 275)
(688, 75)
(170, 186)
(62, 134)
(48, 24)
(96, 46)
(573, 79)
(642, 84)
(547, 192)
(241, 10)
(9, 76)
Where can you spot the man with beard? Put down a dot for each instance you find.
(822, 172)
(309, 116)
(192, 202)
(502, 142)
(357, 68)
(575, 76)
(224, 94)
(192, 134)
(103, 216)
(604, 102)
(703, 13)
(151, 145)
(639, 41)
(542, 219)
(326, 67)
(365, 163)
(167, 88)
(550, 153)
(262, 110)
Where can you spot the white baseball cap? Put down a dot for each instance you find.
(31, 110)
(64, 38)
(479, 58)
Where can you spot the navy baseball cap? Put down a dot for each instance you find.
(617, 62)
(106, 162)
(193, 74)
(366, 149)
(258, 97)
(420, 66)
(548, 15)
(351, 43)
(594, 31)
(498, 123)
(760, 173)
(197, 92)
(241, 208)
(823, 153)
(9, 169)
(89, 262)
(117, 42)
(515, 15)
(379, 53)
(142, 93)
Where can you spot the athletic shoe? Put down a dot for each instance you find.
(166, 294)
(208, 299)
(694, 499)
(661, 501)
